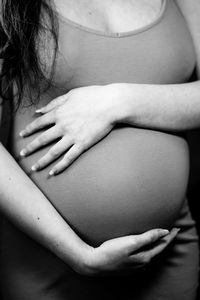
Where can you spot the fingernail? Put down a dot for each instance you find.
(22, 133)
(34, 168)
(39, 110)
(23, 152)
(176, 229)
(165, 231)
(51, 173)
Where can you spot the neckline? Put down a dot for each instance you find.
(117, 34)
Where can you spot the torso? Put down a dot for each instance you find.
(117, 186)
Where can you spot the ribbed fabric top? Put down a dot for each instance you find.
(161, 52)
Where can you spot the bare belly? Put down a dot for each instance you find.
(129, 182)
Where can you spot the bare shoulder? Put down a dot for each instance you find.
(191, 12)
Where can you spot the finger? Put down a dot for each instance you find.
(164, 242)
(147, 238)
(53, 104)
(145, 257)
(71, 155)
(43, 139)
(57, 150)
(38, 124)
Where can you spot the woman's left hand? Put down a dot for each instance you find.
(81, 118)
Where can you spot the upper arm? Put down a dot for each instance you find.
(191, 12)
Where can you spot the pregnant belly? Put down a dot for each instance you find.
(129, 182)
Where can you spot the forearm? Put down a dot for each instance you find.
(172, 107)
(26, 206)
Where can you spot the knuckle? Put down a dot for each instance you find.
(58, 113)
(62, 126)
(126, 251)
(79, 148)
(77, 152)
(42, 139)
(138, 260)
(53, 102)
(61, 99)
(29, 128)
(70, 93)
(134, 242)
(146, 259)
(142, 259)
(35, 124)
(41, 163)
(167, 242)
(54, 152)
(152, 238)
(69, 158)
(29, 147)
(83, 143)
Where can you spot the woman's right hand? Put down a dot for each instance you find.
(126, 254)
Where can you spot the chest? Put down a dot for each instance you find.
(158, 53)
(110, 16)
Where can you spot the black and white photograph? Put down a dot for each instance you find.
(99, 149)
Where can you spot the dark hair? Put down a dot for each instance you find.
(22, 24)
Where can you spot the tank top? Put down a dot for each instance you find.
(136, 56)
(88, 56)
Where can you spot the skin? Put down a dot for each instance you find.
(41, 221)
(109, 15)
(136, 104)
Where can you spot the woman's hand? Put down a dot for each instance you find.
(80, 118)
(127, 254)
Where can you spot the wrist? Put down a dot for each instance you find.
(124, 103)
(76, 254)
(83, 260)
(91, 263)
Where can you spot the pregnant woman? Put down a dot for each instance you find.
(123, 96)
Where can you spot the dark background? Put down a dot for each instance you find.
(194, 181)
(193, 138)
